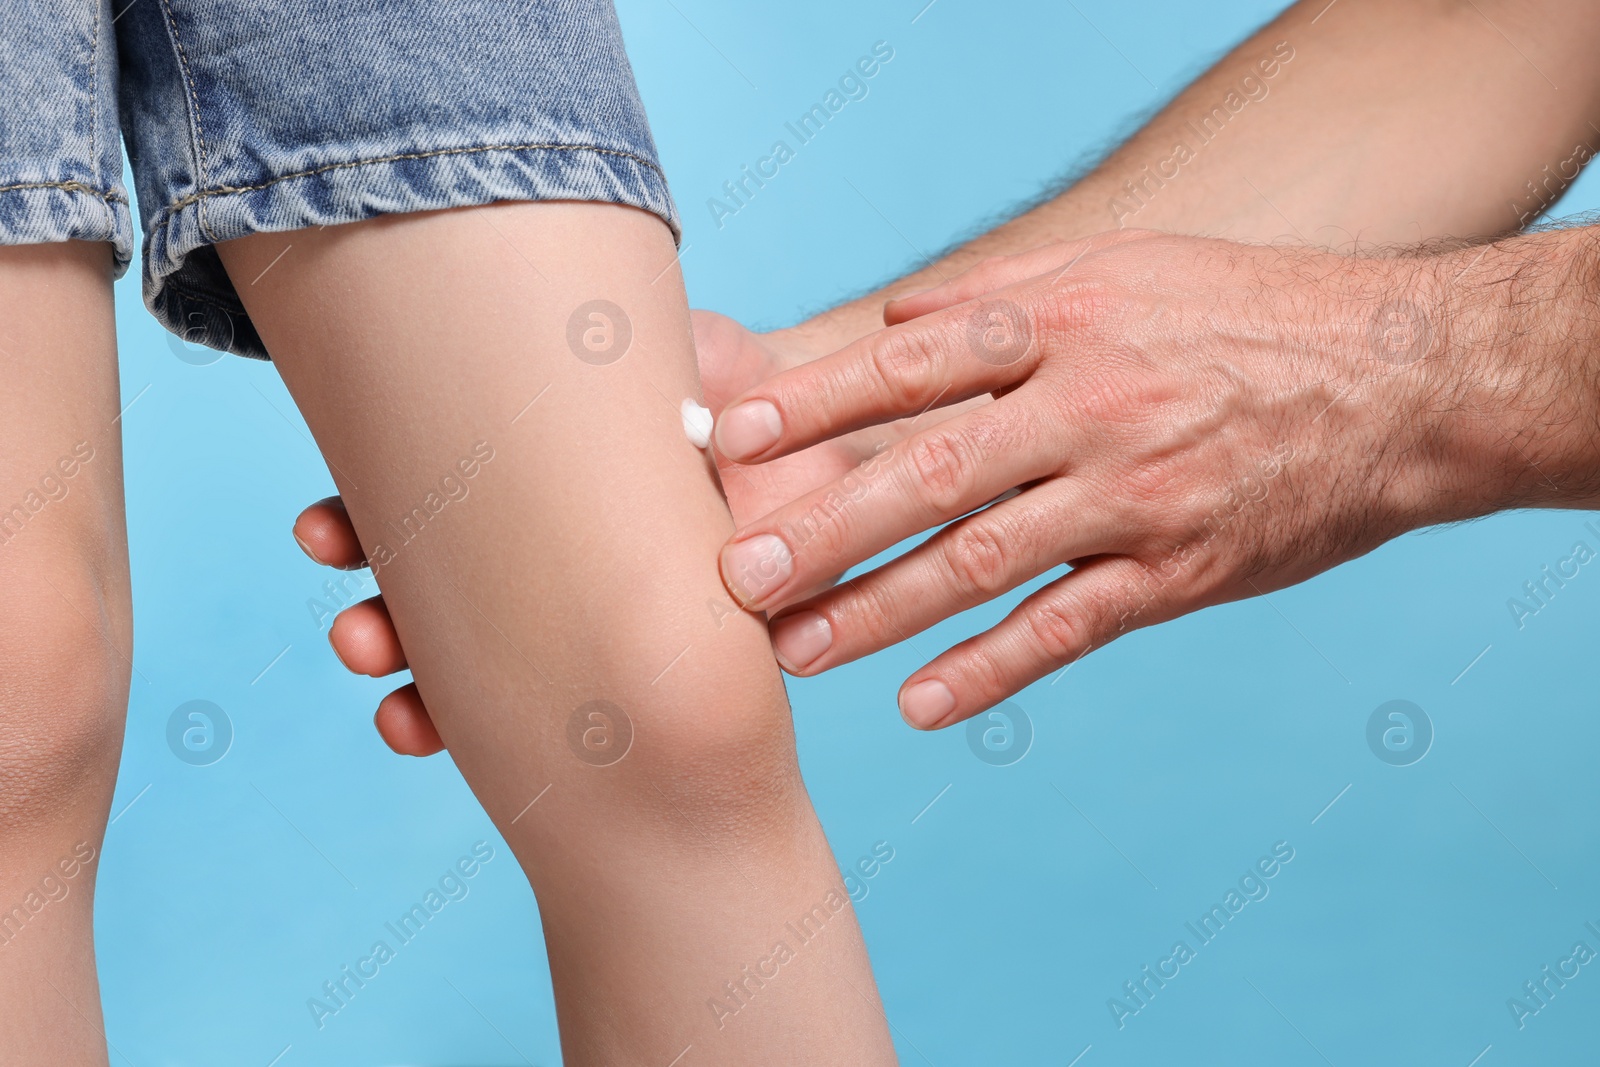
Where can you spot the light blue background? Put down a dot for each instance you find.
(1021, 900)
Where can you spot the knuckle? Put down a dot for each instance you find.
(1059, 633)
(1070, 307)
(1144, 592)
(905, 365)
(874, 618)
(1148, 487)
(978, 559)
(943, 466)
(1043, 320)
(818, 531)
(1113, 401)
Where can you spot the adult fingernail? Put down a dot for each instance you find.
(925, 703)
(748, 429)
(756, 566)
(799, 639)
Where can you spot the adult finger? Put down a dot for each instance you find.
(325, 533)
(1050, 261)
(968, 563)
(1048, 631)
(931, 478)
(895, 373)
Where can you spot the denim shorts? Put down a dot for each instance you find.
(245, 118)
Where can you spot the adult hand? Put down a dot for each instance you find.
(732, 359)
(1188, 421)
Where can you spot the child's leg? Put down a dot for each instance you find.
(65, 640)
(546, 537)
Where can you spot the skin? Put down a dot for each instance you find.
(660, 877)
(65, 640)
(363, 636)
(1199, 421)
(1482, 119)
(1498, 97)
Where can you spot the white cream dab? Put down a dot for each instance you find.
(696, 422)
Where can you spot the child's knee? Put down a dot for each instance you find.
(723, 760)
(64, 643)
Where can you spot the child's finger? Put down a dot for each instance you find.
(404, 725)
(365, 640)
(324, 532)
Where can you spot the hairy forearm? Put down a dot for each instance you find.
(1364, 123)
(1507, 403)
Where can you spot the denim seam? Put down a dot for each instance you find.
(94, 95)
(71, 187)
(194, 112)
(236, 308)
(228, 190)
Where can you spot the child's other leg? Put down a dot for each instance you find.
(513, 456)
(65, 640)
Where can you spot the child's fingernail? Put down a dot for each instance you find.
(307, 549)
(801, 638)
(748, 429)
(338, 655)
(926, 703)
(754, 567)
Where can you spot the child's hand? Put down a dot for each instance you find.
(732, 360)
(363, 636)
